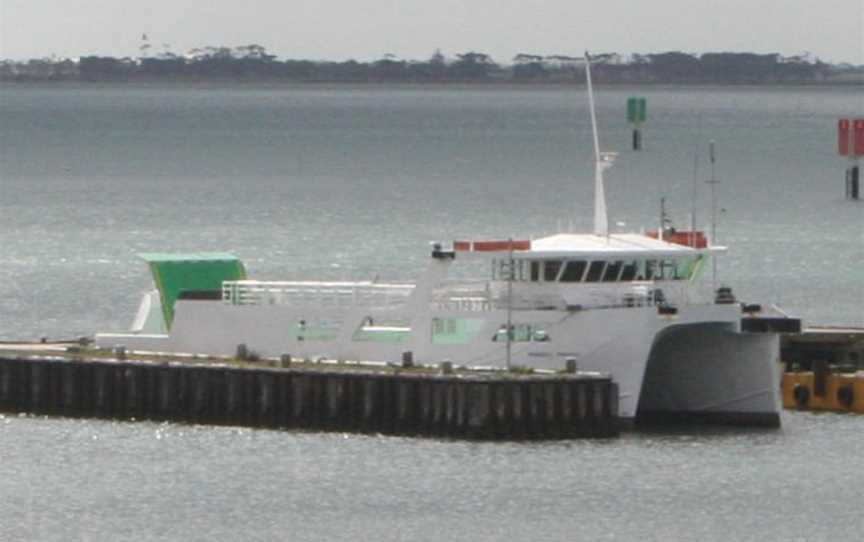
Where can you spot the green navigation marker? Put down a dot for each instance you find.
(637, 108)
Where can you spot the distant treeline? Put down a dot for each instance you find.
(254, 63)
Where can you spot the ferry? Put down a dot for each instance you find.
(626, 304)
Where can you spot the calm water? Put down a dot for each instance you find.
(89, 480)
(353, 182)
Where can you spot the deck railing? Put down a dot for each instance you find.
(317, 294)
(474, 296)
(464, 296)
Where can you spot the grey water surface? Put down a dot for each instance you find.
(64, 480)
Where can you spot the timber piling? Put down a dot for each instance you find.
(474, 405)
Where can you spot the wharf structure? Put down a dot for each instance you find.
(824, 369)
(283, 395)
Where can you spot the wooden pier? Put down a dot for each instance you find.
(474, 405)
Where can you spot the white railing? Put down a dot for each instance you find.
(473, 296)
(472, 304)
(463, 296)
(488, 297)
(481, 297)
(316, 294)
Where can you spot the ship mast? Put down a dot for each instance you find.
(602, 161)
(713, 183)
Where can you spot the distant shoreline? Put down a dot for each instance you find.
(252, 65)
(204, 84)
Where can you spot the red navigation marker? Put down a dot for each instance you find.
(858, 136)
(843, 128)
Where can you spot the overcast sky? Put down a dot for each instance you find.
(367, 29)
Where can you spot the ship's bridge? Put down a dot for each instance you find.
(587, 258)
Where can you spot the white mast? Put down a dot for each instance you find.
(713, 182)
(693, 198)
(695, 195)
(591, 106)
(602, 161)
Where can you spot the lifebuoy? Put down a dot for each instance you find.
(801, 393)
(846, 395)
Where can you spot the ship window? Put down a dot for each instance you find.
(672, 269)
(669, 269)
(574, 271)
(522, 333)
(316, 329)
(501, 269)
(688, 268)
(382, 330)
(455, 330)
(520, 270)
(550, 270)
(612, 271)
(650, 269)
(535, 271)
(629, 271)
(595, 271)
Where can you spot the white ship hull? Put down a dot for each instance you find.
(695, 362)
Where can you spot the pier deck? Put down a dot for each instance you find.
(834, 345)
(67, 380)
(824, 369)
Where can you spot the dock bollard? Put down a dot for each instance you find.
(407, 359)
(570, 366)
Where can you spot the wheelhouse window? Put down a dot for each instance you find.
(574, 271)
(629, 271)
(613, 269)
(550, 270)
(509, 269)
(681, 268)
(535, 271)
(688, 268)
(668, 270)
(595, 271)
(650, 270)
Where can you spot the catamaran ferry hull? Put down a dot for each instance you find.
(696, 363)
(712, 373)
